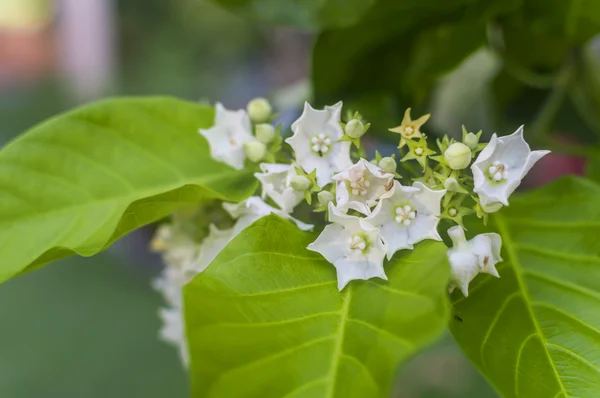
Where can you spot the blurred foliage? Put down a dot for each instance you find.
(189, 47)
(308, 14)
(85, 328)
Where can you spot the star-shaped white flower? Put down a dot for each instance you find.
(316, 142)
(227, 136)
(500, 167)
(353, 246)
(407, 215)
(276, 183)
(254, 208)
(361, 185)
(468, 258)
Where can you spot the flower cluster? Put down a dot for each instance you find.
(374, 207)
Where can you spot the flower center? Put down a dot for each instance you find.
(320, 144)
(233, 142)
(408, 131)
(404, 215)
(419, 151)
(498, 172)
(452, 211)
(358, 244)
(359, 186)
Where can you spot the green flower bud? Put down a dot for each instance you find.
(458, 156)
(471, 140)
(388, 165)
(324, 198)
(451, 184)
(265, 133)
(255, 150)
(300, 183)
(259, 110)
(355, 128)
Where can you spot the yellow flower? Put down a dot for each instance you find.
(409, 128)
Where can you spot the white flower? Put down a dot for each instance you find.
(210, 247)
(253, 209)
(227, 136)
(353, 246)
(361, 185)
(468, 258)
(172, 331)
(316, 142)
(276, 183)
(407, 215)
(177, 248)
(500, 167)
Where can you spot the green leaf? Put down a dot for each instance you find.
(535, 332)
(266, 319)
(308, 14)
(79, 181)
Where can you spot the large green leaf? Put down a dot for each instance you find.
(79, 181)
(266, 319)
(308, 14)
(535, 332)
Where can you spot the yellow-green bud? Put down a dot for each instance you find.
(471, 140)
(388, 165)
(265, 133)
(451, 184)
(324, 198)
(255, 150)
(355, 128)
(300, 183)
(458, 156)
(259, 110)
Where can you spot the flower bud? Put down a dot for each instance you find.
(451, 184)
(458, 156)
(471, 140)
(255, 150)
(324, 198)
(492, 207)
(265, 133)
(388, 165)
(355, 128)
(259, 110)
(457, 234)
(300, 183)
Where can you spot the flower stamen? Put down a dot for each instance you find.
(320, 144)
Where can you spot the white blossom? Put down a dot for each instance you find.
(468, 258)
(407, 215)
(353, 246)
(500, 167)
(316, 142)
(172, 331)
(253, 209)
(227, 136)
(210, 247)
(360, 186)
(276, 184)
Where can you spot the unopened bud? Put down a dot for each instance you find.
(265, 133)
(300, 183)
(355, 128)
(458, 156)
(324, 198)
(259, 110)
(451, 184)
(471, 140)
(388, 165)
(255, 150)
(492, 207)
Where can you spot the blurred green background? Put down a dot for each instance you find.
(88, 327)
